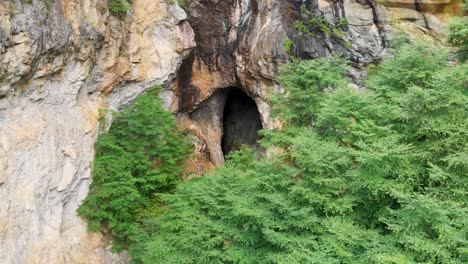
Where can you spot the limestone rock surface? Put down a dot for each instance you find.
(60, 62)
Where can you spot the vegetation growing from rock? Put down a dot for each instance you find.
(119, 6)
(359, 176)
(288, 44)
(139, 157)
(310, 24)
(182, 3)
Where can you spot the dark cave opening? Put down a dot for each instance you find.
(241, 121)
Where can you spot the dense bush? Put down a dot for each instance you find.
(136, 159)
(306, 81)
(359, 176)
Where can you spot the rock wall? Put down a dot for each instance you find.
(60, 62)
(240, 43)
(63, 60)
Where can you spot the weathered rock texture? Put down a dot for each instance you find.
(60, 62)
(240, 43)
(63, 60)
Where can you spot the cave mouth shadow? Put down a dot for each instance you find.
(241, 121)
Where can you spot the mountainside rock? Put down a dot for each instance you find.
(61, 61)
(243, 43)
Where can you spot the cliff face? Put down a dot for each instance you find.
(242, 44)
(61, 61)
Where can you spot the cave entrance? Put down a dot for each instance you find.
(241, 121)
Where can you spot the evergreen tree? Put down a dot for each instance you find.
(360, 176)
(136, 159)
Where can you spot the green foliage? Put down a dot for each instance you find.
(342, 22)
(119, 6)
(359, 176)
(182, 3)
(13, 9)
(458, 36)
(138, 158)
(299, 25)
(306, 81)
(319, 23)
(288, 45)
(311, 23)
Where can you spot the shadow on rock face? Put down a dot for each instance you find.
(228, 119)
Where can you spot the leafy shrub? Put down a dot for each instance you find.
(458, 36)
(138, 158)
(119, 6)
(363, 176)
(288, 44)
